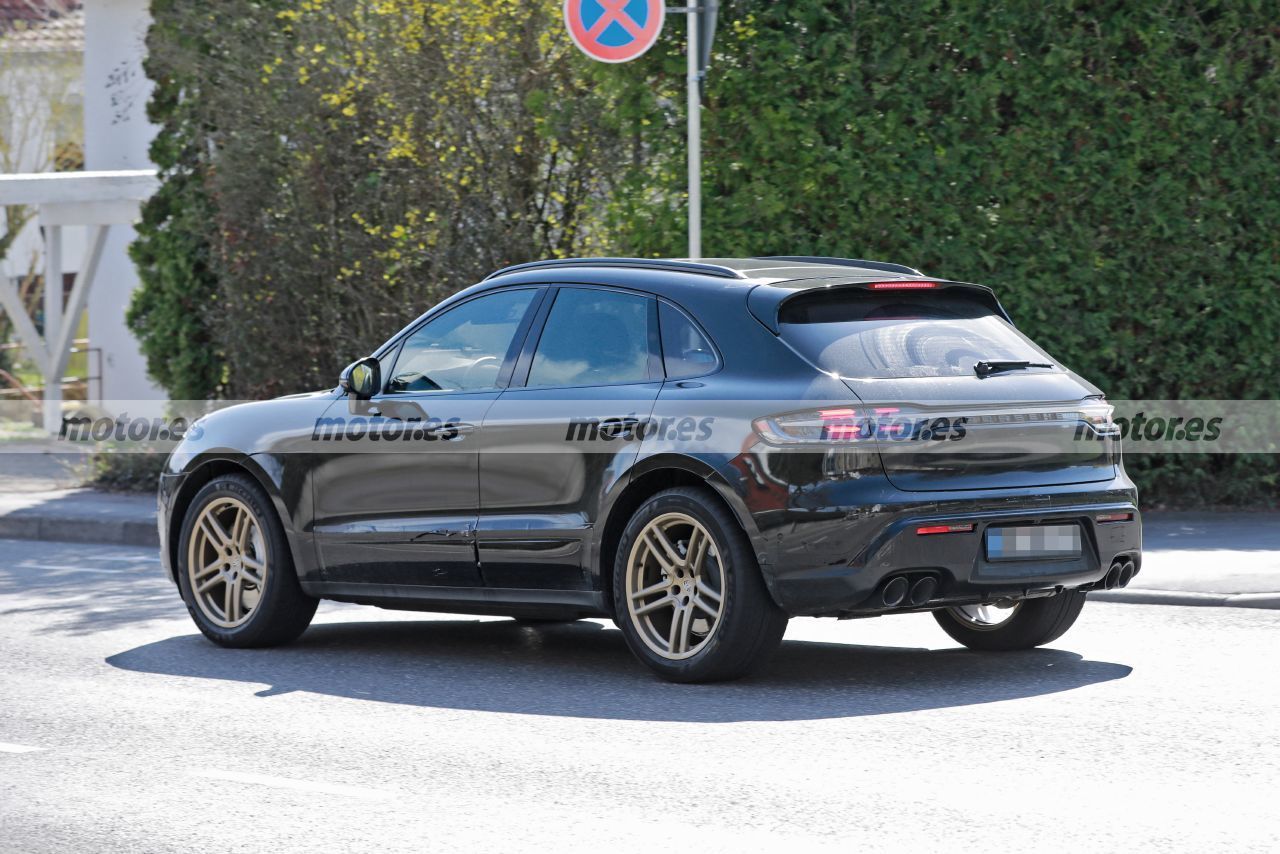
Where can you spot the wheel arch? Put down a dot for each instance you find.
(205, 470)
(646, 479)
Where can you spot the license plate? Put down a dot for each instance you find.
(1033, 541)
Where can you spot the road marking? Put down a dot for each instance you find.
(143, 559)
(5, 747)
(295, 785)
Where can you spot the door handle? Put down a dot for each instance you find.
(689, 384)
(374, 411)
(618, 426)
(451, 431)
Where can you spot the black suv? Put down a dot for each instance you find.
(697, 450)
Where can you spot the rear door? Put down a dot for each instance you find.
(563, 434)
(910, 356)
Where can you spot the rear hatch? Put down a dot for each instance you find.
(910, 351)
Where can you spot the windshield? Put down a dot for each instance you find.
(892, 335)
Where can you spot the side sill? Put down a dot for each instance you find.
(507, 602)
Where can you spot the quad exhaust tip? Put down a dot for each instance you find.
(894, 592)
(923, 590)
(901, 590)
(1120, 574)
(1127, 572)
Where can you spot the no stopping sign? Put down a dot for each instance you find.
(614, 30)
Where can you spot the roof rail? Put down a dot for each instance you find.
(635, 263)
(883, 266)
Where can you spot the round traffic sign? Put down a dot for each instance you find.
(614, 30)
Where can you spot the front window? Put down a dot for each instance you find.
(464, 348)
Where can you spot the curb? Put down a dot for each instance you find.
(1184, 597)
(78, 529)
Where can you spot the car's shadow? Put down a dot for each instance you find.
(584, 670)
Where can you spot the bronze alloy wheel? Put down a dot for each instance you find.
(675, 586)
(227, 562)
(985, 618)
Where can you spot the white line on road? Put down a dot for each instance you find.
(5, 747)
(296, 785)
(142, 559)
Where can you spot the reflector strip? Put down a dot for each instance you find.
(945, 529)
(1114, 517)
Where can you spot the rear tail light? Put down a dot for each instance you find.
(902, 286)
(1098, 416)
(946, 529)
(1114, 517)
(845, 424)
(838, 425)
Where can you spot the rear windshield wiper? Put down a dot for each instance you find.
(986, 369)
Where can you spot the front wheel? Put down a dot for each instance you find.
(234, 568)
(688, 593)
(1020, 625)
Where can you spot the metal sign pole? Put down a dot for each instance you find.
(594, 26)
(695, 138)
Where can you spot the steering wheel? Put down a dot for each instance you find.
(467, 374)
(414, 381)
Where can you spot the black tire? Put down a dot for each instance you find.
(749, 626)
(282, 611)
(1037, 622)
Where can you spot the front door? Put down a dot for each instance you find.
(397, 493)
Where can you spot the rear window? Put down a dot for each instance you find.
(895, 334)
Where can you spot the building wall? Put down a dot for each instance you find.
(117, 135)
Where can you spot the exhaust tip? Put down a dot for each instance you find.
(923, 590)
(1112, 581)
(1127, 571)
(894, 592)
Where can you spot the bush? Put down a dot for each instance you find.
(333, 168)
(1110, 168)
(339, 165)
(125, 471)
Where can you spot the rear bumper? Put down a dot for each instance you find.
(881, 542)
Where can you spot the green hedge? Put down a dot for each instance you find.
(1113, 169)
(334, 167)
(1110, 167)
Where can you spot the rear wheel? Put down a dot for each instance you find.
(1021, 625)
(688, 593)
(235, 570)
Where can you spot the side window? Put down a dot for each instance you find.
(593, 337)
(686, 352)
(464, 348)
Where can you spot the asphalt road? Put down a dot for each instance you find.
(121, 729)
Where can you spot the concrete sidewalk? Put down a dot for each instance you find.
(1216, 559)
(41, 499)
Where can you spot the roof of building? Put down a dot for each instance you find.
(28, 26)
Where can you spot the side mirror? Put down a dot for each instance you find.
(361, 379)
